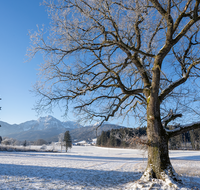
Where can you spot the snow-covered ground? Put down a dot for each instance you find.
(89, 167)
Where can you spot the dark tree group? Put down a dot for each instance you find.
(67, 140)
(122, 137)
(189, 140)
(132, 137)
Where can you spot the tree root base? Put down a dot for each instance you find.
(154, 184)
(168, 177)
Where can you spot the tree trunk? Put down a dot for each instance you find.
(159, 165)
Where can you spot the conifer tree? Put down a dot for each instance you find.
(68, 141)
(24, 143)
(192, 140)
(103, 138)
(112, 140)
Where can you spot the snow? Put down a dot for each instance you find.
(90, 167)
(48, 122)
(182, 126)
(100, 122)
(45, 123)
(27, 125)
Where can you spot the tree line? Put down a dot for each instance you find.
(188, 140)
(120, 137)
(14, 142)
(136, 137)
(64, 139)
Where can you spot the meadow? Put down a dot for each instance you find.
(91, 167)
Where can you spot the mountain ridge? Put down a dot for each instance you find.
(48, 128)
(40, 124)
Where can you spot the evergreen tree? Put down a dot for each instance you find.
(197, 138)
(103, 138)
(99, 140)
(112, 141)
(25, 143)
(192, 139)
(124, 144)
(175, 142)
(68, 141)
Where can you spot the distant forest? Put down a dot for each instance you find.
(136, 138)
(122, 137)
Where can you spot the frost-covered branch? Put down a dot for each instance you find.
(182, 129)
(170, 117)
(178, 82)
(97, 52)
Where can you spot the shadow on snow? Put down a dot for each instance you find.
(191, 158)
(79, 157)
(70, 175)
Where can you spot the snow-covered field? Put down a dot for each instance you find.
(89, 167)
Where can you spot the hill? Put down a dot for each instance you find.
(89, 132)
(48, 128)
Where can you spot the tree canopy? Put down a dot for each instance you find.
(101, 54)
(137, 58)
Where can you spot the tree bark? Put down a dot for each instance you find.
(159, 165)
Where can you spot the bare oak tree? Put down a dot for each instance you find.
(136, 58)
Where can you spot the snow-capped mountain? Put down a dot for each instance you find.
(99, 122)
(48, 128)
(72, 125)
(43, 123)
(48, 122)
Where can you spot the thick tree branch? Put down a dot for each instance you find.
(185, 29)
(182, 15)
(167, 16)
(170, 117)
(133, 48)
(182, 129)
(142, 71)
(178, 82)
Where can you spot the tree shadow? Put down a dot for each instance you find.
(191, 182)
(103, 158)
(90, 178)
(83, 157)
(192, 158)
(93, 178)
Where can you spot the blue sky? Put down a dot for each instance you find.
(17, 76)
